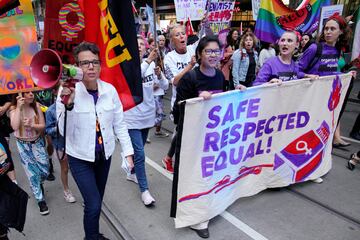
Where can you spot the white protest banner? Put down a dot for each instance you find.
(220, 14)
(239, 143)
(255, 8)
(327, 11)
(193, 9)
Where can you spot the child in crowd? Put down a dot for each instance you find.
(28, 122)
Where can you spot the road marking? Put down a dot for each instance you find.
(242, 226)
(350, 139)
(226, 215)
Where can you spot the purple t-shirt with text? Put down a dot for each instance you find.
(326, 65)
(274, 68)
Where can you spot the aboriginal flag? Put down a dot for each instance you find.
(111, 25)
(7, 5)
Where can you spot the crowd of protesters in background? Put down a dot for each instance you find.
(193, 66)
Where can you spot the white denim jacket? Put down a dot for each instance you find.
(81, 122)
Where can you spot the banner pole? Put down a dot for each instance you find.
(154, 19)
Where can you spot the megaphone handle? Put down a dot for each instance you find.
(69, 84)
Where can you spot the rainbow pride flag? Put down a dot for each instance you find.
(275, 17)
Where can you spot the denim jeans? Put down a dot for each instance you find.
(91, 178)
(138, 140)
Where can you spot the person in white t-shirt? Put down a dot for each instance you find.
(177, 62)
(266, 52)
(142, 117)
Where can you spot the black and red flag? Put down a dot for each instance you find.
(7, 5)
(110, 24)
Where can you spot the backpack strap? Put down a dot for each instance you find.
(319, 48)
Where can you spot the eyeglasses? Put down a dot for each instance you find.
(86, 63)
(212, 51)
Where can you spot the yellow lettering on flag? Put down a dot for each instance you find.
(107, 23)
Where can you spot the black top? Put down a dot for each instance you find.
(5, 128)
(193, 83)
(5, 154)
(99, 145)
(250, 75)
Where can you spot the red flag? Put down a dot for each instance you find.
(64, 27)
(111, 25)
(7, 5)
(189, 28)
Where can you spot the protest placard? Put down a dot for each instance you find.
(193, 9)
(327, 11)
(220, 15)
(18, 43)
(239, 143)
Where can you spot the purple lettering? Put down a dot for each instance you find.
(290, 121)
(305, 116)
(207, 164)
(11, 85)
(214, 117)
(234, 160)
(260, 128)
(224, 137)
(229, 115)
(249, 128)
(258, 148)
(222, 164)
(250, 152)
(234, 133)
(269, 130)
(241, 108)
(253, 109)
(211, 140)
(281, 118)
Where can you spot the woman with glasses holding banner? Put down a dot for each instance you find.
(202, 81)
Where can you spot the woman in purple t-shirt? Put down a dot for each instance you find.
(323, 58)
(282, 68)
